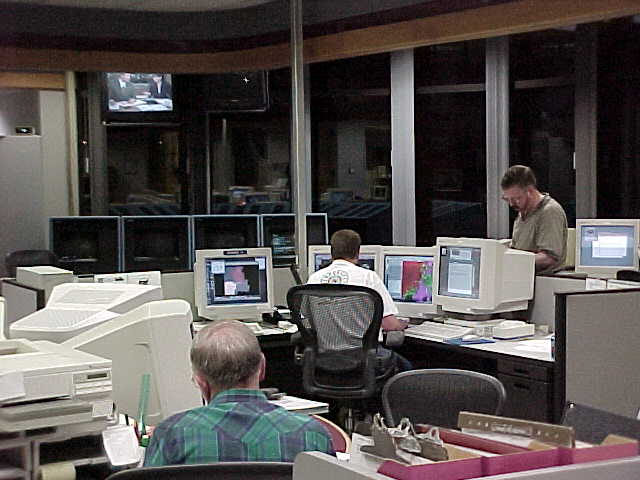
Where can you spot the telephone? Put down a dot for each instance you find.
(511, 329)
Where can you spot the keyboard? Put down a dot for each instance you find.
(438, 331)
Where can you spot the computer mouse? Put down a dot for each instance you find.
(470, 337)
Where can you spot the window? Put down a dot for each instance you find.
(450, 142)
(351, 145)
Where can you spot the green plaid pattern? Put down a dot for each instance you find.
(237, 425)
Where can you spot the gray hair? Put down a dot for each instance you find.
(227, 354)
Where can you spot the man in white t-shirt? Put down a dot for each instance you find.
(344, 269)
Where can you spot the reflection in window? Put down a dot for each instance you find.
(143, 171)
(542, 111)
(450, 143)
(619, 118)
(351, 145)
(249, 154)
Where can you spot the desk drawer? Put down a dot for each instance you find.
(527, 399)
(522, 369)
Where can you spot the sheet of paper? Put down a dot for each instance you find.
(121, 445)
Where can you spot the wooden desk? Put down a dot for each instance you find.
(526, 372)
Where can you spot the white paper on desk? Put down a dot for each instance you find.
(11, 386)
(595, 284)
(121, 445)
(534, 346)
(295, 403)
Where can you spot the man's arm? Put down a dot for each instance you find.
(544, 260)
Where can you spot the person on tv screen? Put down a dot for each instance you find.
(159, 86)
(121, 89)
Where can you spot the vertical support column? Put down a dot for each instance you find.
(97, 147)
(497, 131)
(586, 121)
(403, 148)
(72, 143)
(299, 164)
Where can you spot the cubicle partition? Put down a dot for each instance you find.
(597, 349)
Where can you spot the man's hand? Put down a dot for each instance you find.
(391, 323)
(544, 261)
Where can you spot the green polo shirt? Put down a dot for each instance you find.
(543, 230)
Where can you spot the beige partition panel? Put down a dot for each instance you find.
(603, 350)
(542, 309)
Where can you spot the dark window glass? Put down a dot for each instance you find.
(250, 155)
(450, 143)
(143, 170)
(542, 111)
(619, 119)
(351, 145)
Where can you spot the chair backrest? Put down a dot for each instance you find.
(28, 258)
(592, 425)
(436, 396)
(339, 438)
(339, 326)
(219, 471)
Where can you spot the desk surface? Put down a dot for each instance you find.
(538, 348)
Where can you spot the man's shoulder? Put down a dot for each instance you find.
(552, 208)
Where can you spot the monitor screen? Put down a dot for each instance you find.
(225, 231)
(233, 281)
(409, 278)
(367, 260)
(322, 260)
(233, 284)
(459, 272)
(283, 244)
(607, 245)
(139, 92)
(156, 245)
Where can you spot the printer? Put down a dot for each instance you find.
(44, 384)
(76, 307)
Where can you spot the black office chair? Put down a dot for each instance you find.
(217, 471)
(592, 425)
(339, 326)
(28, 258)
(436, 396)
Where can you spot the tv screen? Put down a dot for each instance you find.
(138, 96)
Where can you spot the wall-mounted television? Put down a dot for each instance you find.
(233, 92)
(138, 97)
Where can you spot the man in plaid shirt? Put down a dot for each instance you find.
(238, 423)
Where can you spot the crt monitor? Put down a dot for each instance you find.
(605, 246)
(157, 243)
(408, 276)
(478, 276)
(278, 232)
(225, 231)
(86, 245)
(233, 284)
(153, 339)
(320, 257)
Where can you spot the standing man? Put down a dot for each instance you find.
(541, 224)
(237, 423)
(344, 269)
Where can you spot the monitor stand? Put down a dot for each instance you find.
(466, 320)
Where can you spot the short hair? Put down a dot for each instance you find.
(345, 244)
(226, 353)
(520, 176)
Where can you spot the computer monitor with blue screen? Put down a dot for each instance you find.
(477, 276)
(233, 284)
(408, 276)
(603, 247)
(320, 257)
